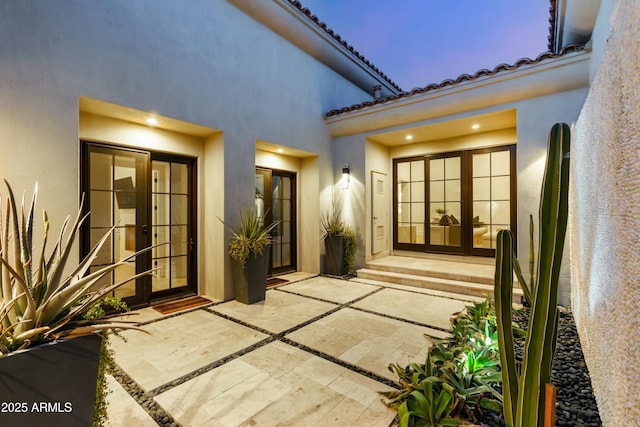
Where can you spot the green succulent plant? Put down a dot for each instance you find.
(38, 301)
(250, 236)
(425, 399)
(430, 406)
(466, 363)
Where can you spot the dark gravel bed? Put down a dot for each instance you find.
(575, 403)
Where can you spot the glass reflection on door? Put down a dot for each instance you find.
(170, 224)
(445, 202)
(112, 195)
(275, 201)
(491, 197)
(411, 205)
(281, 202)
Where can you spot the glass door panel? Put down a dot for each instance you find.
(281, 243)
(114, 181)
(491, 182)
(410, 206)
(445, 202)
(276, 201)
(276, 211)
(171, 200)
(283, 204)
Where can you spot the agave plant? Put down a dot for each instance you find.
(38, 301)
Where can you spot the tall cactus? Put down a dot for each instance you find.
(503, 294)
(524, 405)
(527, 289)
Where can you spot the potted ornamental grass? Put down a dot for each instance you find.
(49, 346)
(339, 244)
(249, 251)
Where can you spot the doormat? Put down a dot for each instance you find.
(181, 304)
(273, 281)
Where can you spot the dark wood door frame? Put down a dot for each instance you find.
(467, 247)
(192, 228)
(513, 197)
(464, 244)
(143, 232)
(268, 203)
(141, 203)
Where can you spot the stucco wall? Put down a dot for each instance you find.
(208, 64)
(599, 35)
(605, 222)
(350, 201)
(535, 117)
(378, 160)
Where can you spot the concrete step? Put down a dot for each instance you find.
(452, 269)
(441, 273)
(430, 282)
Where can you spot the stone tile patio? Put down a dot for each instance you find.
(314, 353)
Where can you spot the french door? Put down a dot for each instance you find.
(149, 198)
(275, 200)
(454, 202)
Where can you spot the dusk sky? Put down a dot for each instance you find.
(417, 42)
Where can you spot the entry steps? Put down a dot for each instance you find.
(464, 276)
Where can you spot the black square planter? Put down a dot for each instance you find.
(334, 255)
(250, 282)
(52, 384)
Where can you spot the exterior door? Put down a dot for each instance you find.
(173, 225)
(148, 200)
(454, 202)
(493, 197)
(379, 221)
(275, 200)
(446, 222)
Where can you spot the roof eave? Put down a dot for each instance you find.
(573, 22)
(553, 75)
(289, 22)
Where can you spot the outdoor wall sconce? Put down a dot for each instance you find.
(345, 176)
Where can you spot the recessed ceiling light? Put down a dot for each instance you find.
(280, 150)
(409, 137)
(152, 121)
(475, 126)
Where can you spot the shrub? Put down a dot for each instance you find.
(467, 365)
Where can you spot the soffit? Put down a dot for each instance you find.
(574, 21)
(127, 114)
(448, 129)
(283, 150)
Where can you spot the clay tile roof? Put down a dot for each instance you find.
(344, 43)
(461, 78)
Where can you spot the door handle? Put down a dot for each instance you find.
(144, 228)
(375, 217)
